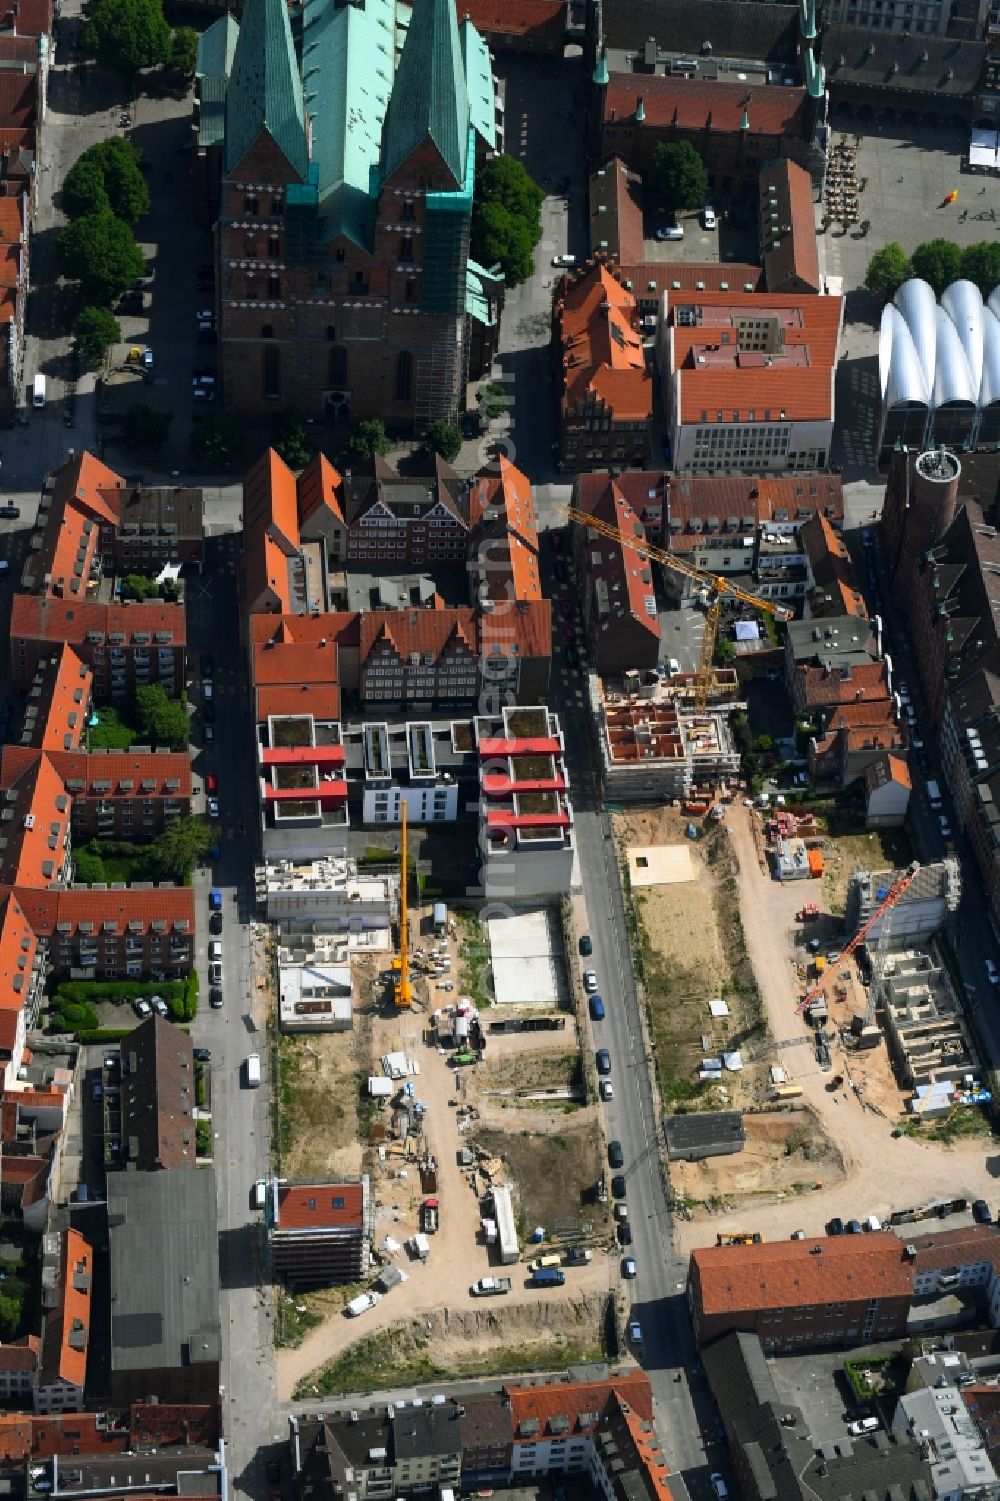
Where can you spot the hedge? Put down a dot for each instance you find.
(181, 996)
(104, 1034)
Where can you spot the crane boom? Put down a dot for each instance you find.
(720, 585)
(402, 987)
(898, 888)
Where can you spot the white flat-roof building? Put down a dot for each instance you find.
(331, 889)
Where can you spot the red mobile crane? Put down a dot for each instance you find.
(901, 885)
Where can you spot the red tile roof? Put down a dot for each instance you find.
(691, 497)
(789, 247)
(18, 947)
(616, 211)
(18, 98)
(67, 1328)
(511, 17)
(602, 351)
(821, 687)
(35, 618)
(15, 1435)
(528, 625)
(792, 1273)
(175, 1423)
(311, 1206)
(342, 626)
(697, 104)
(32, 17)
(66, 688)
(650, 279)
(621, 581)
(832, 569)
(297, 677)
(508, 547)
(888, 768)
(319, 487)
(118, 767)
(796, 383)
(575, 1399)
(22, 1355)
(40, 810)
(950, 1248)
(422, 631)
(172, 905)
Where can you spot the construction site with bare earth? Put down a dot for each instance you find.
(816, 1008)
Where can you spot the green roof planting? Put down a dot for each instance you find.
(430, 96)
(479, 84)
(265, 91)
(348, 58)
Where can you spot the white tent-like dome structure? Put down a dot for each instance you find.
(939, 368)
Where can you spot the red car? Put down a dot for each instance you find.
(569, 633)
(211, 782)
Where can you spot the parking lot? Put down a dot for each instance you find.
(817, 1386)
(733, 239)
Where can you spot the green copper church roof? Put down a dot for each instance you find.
(348, 58)
(217, 48)
(479, 84)
(265, 92)
(429, 96)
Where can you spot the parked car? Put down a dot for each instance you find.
(635, 1332)
(629, 1268)
(213, 807)
(708, 220)
(211, 782)
(624, 1233)
(992, 973)
(854, 1227)
(944, 826)
(564, 260)
(719, 1486)
(981, 1212)
(670, 232)
(208, 714)
(596, 1009)
(618, 1186)
(607, 1090)
(215, 975)
(616, 1157)
(586, 945)
(590, 981)
(10, 512)
(141, 1008)
(862, 1426)
(603, 1060)
(835, 1226)
(215, 923)
(215, 997)
(209, 733)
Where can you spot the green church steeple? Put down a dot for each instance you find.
(265, 89)
(429, 96)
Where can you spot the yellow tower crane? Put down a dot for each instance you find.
(402, 988)
(721, 588)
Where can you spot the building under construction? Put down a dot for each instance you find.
(925, 1030)
(926, 907)
(655, 744)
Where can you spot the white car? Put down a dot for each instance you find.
(944, 826)
(607, 1090)
(141, 1008)
(564, 260)
(671, 232)
(708, 217)
(992, 973)
(213, 807)
(719, 1486)
(590, 981)
(917, 740)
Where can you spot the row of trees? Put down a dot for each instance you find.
(130, 35)
(939, 263)
(104, 194)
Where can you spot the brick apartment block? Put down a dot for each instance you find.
(800, 1295)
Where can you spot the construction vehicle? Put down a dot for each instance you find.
(430, 1216)
(808, 912)
(715, 588)
(898, 889)
(740, 1238)
(402, 984)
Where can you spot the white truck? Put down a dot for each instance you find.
(490, 1287)
(361, 1304)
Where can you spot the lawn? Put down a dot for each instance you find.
(114, 731)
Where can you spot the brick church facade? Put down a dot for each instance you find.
(343, 274)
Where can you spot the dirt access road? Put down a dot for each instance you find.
(881, 1174)
(457, 1259)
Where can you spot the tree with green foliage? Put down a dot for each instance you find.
(146, 428)
(178, 849)
(107, 176)
(502, 238)
(163, 720)
(290, 440)
(95, 330)
(506, 218)
(442, 438)
(128, 35)
(981, 264)
(938, 262)
(217, 439)
(99, 251)
(88, 867)
(679, 177)
(887, 271)
(184, 51)
(366, 440)
(492, 399)
(83, 190)
(10, 1316)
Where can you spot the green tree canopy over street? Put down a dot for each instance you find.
(96, 330)
(506, 218)
(99, 251)
(443, 438)
(107, 176)
(128, 35)
(887, 270)
(938, 262)
(366, 439)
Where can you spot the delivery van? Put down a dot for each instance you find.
(253, 1071)
(549, 1276)
(543, 1262)
(38, 391)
